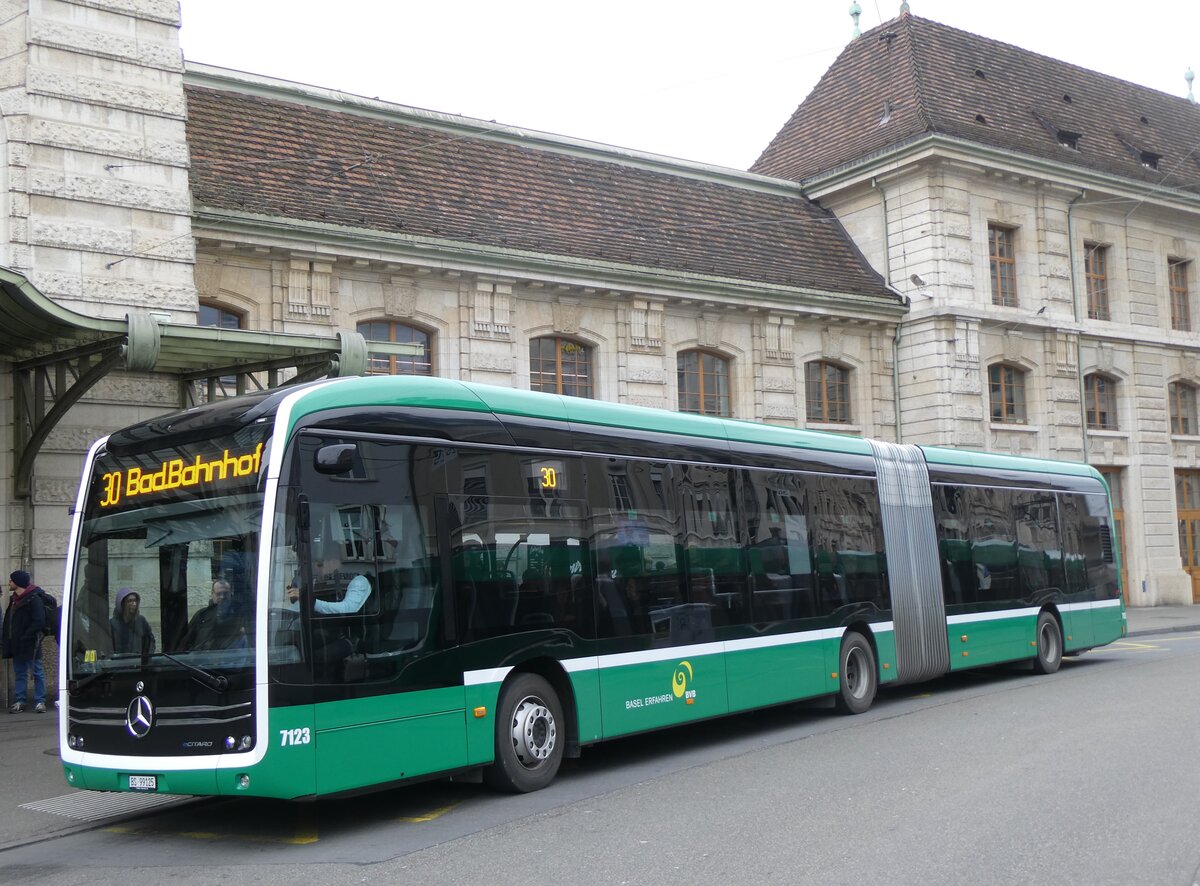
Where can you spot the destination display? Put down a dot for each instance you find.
(217, 467)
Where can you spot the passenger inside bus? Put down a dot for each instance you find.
(130, 630)
(217, 625)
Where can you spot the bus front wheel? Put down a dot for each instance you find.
(1049, 645)
(529, 736)
(860, 680)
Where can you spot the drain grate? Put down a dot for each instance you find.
(99, 805)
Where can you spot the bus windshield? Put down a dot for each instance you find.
(165, 571)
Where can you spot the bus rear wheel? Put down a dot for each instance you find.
(529, 737)
(860, 679)
(1049, 645)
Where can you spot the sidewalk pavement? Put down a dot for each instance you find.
(1162, 619)
(30, 771)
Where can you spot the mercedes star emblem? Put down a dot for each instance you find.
(139, 717)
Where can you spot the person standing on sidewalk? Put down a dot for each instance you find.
(24, 623)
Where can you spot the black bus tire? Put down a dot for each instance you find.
(529, 736)
(1049, 645)
(859, 676)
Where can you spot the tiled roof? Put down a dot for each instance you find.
(911, 76)
(292, 159)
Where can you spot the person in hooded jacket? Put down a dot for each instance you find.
(24, 623)
(130, 630)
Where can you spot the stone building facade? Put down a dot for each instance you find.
(1045, 221)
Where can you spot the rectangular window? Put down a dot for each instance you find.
(847, 542)
(1095, 263)
(1181, 313)
(994, 544)
(780, 556)
(1007, 393)
(1100, 402)
(1003, 265)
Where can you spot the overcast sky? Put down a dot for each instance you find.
(711, 83)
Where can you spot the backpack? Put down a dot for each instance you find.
(53, 619)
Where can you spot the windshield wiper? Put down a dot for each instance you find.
(77, 684)
(215, 682)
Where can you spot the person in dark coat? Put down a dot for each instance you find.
(130, 630)
(217, 625)
(24, 624)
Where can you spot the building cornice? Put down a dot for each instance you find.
(899, 158)
(293, 234)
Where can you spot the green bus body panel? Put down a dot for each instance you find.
(586, 686)
(991, 641)
(366, 741)
(760, 677)
(885, 652)
(1079, 628)
(651, 695)
(1108, 624)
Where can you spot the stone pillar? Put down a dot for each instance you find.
(96, 206)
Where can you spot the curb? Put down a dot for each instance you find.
(1164, 629)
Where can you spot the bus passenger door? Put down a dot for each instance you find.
(388, 692)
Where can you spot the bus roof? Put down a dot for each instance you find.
(432, 392)
(443, 393)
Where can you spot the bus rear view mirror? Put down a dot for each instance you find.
(336, 458)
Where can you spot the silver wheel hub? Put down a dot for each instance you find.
(534, 732)
(1049, 642)
(855, 673)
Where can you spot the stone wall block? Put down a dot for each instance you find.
(647, 376)
(55, 490)
(106, 44)
(111, 191)
(781, 411)
(49, 81)
(108, 142)
(650, 402)
(493, 363)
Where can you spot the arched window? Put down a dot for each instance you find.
(223, 318)
(827, 391)
(1100, 402)
(383, 363)
(1181, 398)
(560, 366)
(1007, 388)
(703, 383)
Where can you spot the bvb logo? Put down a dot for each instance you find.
(679, 682)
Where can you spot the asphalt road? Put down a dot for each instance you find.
(999, 776)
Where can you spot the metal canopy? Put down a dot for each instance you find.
(58, 355)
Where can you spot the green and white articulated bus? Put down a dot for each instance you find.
(490, 579)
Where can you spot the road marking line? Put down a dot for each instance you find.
(306, 833)
(428, 816)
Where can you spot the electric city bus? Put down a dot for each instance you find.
(363, 582)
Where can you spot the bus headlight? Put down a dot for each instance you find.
(230, 743)
(244, 744)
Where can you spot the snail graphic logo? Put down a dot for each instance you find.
(679, 682)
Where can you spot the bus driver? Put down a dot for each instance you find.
(357, 591)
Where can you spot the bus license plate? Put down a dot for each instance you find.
(143, 782)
